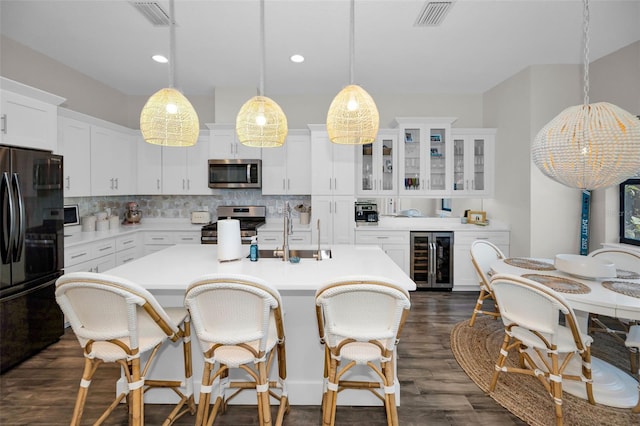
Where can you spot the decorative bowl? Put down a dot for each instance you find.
(584, 266)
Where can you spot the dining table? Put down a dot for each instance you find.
(617, 297)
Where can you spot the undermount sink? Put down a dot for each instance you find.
(302, 254)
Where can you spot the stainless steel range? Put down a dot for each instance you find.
(250, 217)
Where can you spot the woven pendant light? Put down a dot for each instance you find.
(168, 118)
(353, 116)
(261, 122)
(589, 146)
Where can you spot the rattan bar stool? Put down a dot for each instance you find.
(116, 320)
(633, 342)
(238, 320)
(483, 254)
(359, 321)
(531, 315)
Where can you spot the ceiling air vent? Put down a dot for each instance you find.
(153, 12)
(433, 13)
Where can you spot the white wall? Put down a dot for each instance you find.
(615, 79)
(507, 108)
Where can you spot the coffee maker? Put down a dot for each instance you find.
(132, 214)
(366, 213)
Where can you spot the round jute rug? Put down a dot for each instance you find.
(476, 349)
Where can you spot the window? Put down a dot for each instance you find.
(630, 211)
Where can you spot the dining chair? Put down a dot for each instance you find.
(625, 261)
(239, 322)
(483, 254)
(359, 321)
(116, 320)
(633, 342)
(542, 327)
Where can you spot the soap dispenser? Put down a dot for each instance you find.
(253, 250)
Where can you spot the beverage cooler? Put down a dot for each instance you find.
(432, 260)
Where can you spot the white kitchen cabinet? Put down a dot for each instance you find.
(149, 169)
(28, 116)
(332, 165)
(473, 162)
(98, 256)
(336, 215)
(127, 248)
(425, 156)
(376, 167)
(159, 240)
(274, 239)
(464, 274)
(74, 143)
(396, 244)
(287, 169)
(224, 144)
(185, 169)
(113, 162)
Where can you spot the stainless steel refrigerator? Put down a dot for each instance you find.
(31, 252)
(432, 260)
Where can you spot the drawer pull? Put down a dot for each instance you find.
(382, 238)
(78, 255)
(127, 242)
(157, 238)
(105, 248)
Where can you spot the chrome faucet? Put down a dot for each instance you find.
(287, 230)
(318, 254)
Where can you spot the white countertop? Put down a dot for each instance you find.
(391, 223)
(175, 267)
(73, 235)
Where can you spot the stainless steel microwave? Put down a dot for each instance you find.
(235, 173)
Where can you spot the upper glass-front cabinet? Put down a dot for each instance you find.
(425, 155)
(377, 165)
(473, 161)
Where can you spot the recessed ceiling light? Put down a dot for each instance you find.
(297, 58)
(160, 59)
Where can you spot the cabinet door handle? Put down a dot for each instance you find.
(288, 183)
(335, 184)
(4, 123)
(105, 248)
(158, 183)
(188, 184)
(283, 184)
(79, 255)
(68, 182)
(116, 183)
(183, 184)
(330, 184)
(111, 180)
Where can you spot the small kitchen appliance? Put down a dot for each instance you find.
(250, 217)
(366, 213)
(132, 214)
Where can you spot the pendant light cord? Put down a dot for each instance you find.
(351, 42)
(585, 22)
(262, 49)
(172, 45)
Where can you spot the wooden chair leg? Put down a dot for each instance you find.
(90, 367)
(264, 408)
(137, 409)
(205, 395)
(500, 362)
(329, 408)
(390, 398)
(477, 308)
(556, 388)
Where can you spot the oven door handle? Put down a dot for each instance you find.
(248, 173)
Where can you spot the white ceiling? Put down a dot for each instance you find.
(479, 44)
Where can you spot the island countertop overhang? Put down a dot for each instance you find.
(174, 268)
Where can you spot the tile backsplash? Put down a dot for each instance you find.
(181, 206)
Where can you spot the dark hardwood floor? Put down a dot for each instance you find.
(435, 390)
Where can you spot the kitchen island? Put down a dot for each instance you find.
(167, 273)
